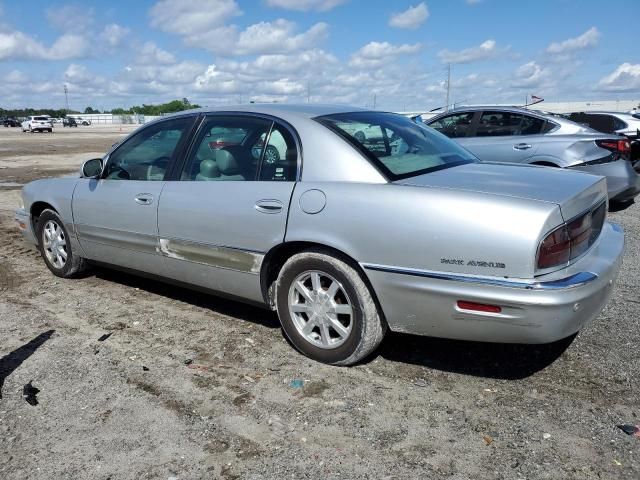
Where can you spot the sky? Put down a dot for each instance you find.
(394, 53)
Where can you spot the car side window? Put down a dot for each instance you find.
(531, 125)
(454, 126)
(228, 148)
(147, 154)
(499, 124)
(280, 156)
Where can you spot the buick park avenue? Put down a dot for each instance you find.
(363, 222)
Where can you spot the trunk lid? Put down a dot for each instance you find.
(574, 192)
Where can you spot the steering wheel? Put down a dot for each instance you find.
(116, 171)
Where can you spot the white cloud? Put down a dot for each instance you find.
(69, 45)
(305, 5)
(205, 26)
(70, 17)
(411, 18)
(307, 60)
(16, 76)
(278, 37)
(588, 39)
(19, 46)
(189, 18)
(113, 35)
(531, 74)
(484, 51)
(151, 54)
(625, 78)
(375, 54)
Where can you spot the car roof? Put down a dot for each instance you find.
(496, 108)
(281, 110)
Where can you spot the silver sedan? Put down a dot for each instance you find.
(516, 135)
(364, 221)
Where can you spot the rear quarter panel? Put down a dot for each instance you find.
(434, 229)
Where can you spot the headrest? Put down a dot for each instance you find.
(226, 162)
(209, 168)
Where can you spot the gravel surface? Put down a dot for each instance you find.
(191, 386)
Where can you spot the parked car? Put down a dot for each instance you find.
(344, 239)
(623, 124)
(10, 122)
(83, 121)
(69, 122)
(37, 124)
(515, 135)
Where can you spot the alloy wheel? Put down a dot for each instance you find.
(320, 309)
(54, 244)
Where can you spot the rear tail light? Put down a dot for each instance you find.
(572, 239)
(618, 146)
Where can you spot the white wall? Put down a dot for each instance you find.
(108, 118)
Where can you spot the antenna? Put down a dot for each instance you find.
(374, 101)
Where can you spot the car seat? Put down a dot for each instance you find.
(228, 166)
(209, 170)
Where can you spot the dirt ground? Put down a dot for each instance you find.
(140, 380)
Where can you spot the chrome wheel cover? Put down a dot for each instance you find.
(320, 309)
(54, 244)
(271, 155)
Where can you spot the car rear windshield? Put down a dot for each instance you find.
(396, 145)
(41, 119)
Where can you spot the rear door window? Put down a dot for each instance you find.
(499, 124)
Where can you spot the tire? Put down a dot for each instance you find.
(271, 155)
(74, 264)
(362, 329)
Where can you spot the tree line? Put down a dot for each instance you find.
(144, 109)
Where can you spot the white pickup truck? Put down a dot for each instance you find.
(37, 123)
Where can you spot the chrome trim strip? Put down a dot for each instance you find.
(212, 255)
(572, 281)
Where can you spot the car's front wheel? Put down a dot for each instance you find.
(55, 247)
(327, 310)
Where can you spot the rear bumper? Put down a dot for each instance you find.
(623, 182)
(551, 308)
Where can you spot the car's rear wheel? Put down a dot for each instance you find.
(55, 246)
(327, 310)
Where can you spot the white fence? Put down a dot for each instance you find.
(109, 119)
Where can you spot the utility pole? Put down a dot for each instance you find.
(66, 97)
(448, 86)
(374, 101)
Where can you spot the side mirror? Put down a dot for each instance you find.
(92, 168)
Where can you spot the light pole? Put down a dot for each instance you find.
(66, 97)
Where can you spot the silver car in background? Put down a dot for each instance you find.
(516, 135)
(618, 123)
(345, 234)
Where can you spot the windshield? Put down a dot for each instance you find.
(397, 146)
(41, 119)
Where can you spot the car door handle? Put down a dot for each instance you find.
(144, 198)
(521, 146)
(268, 206)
